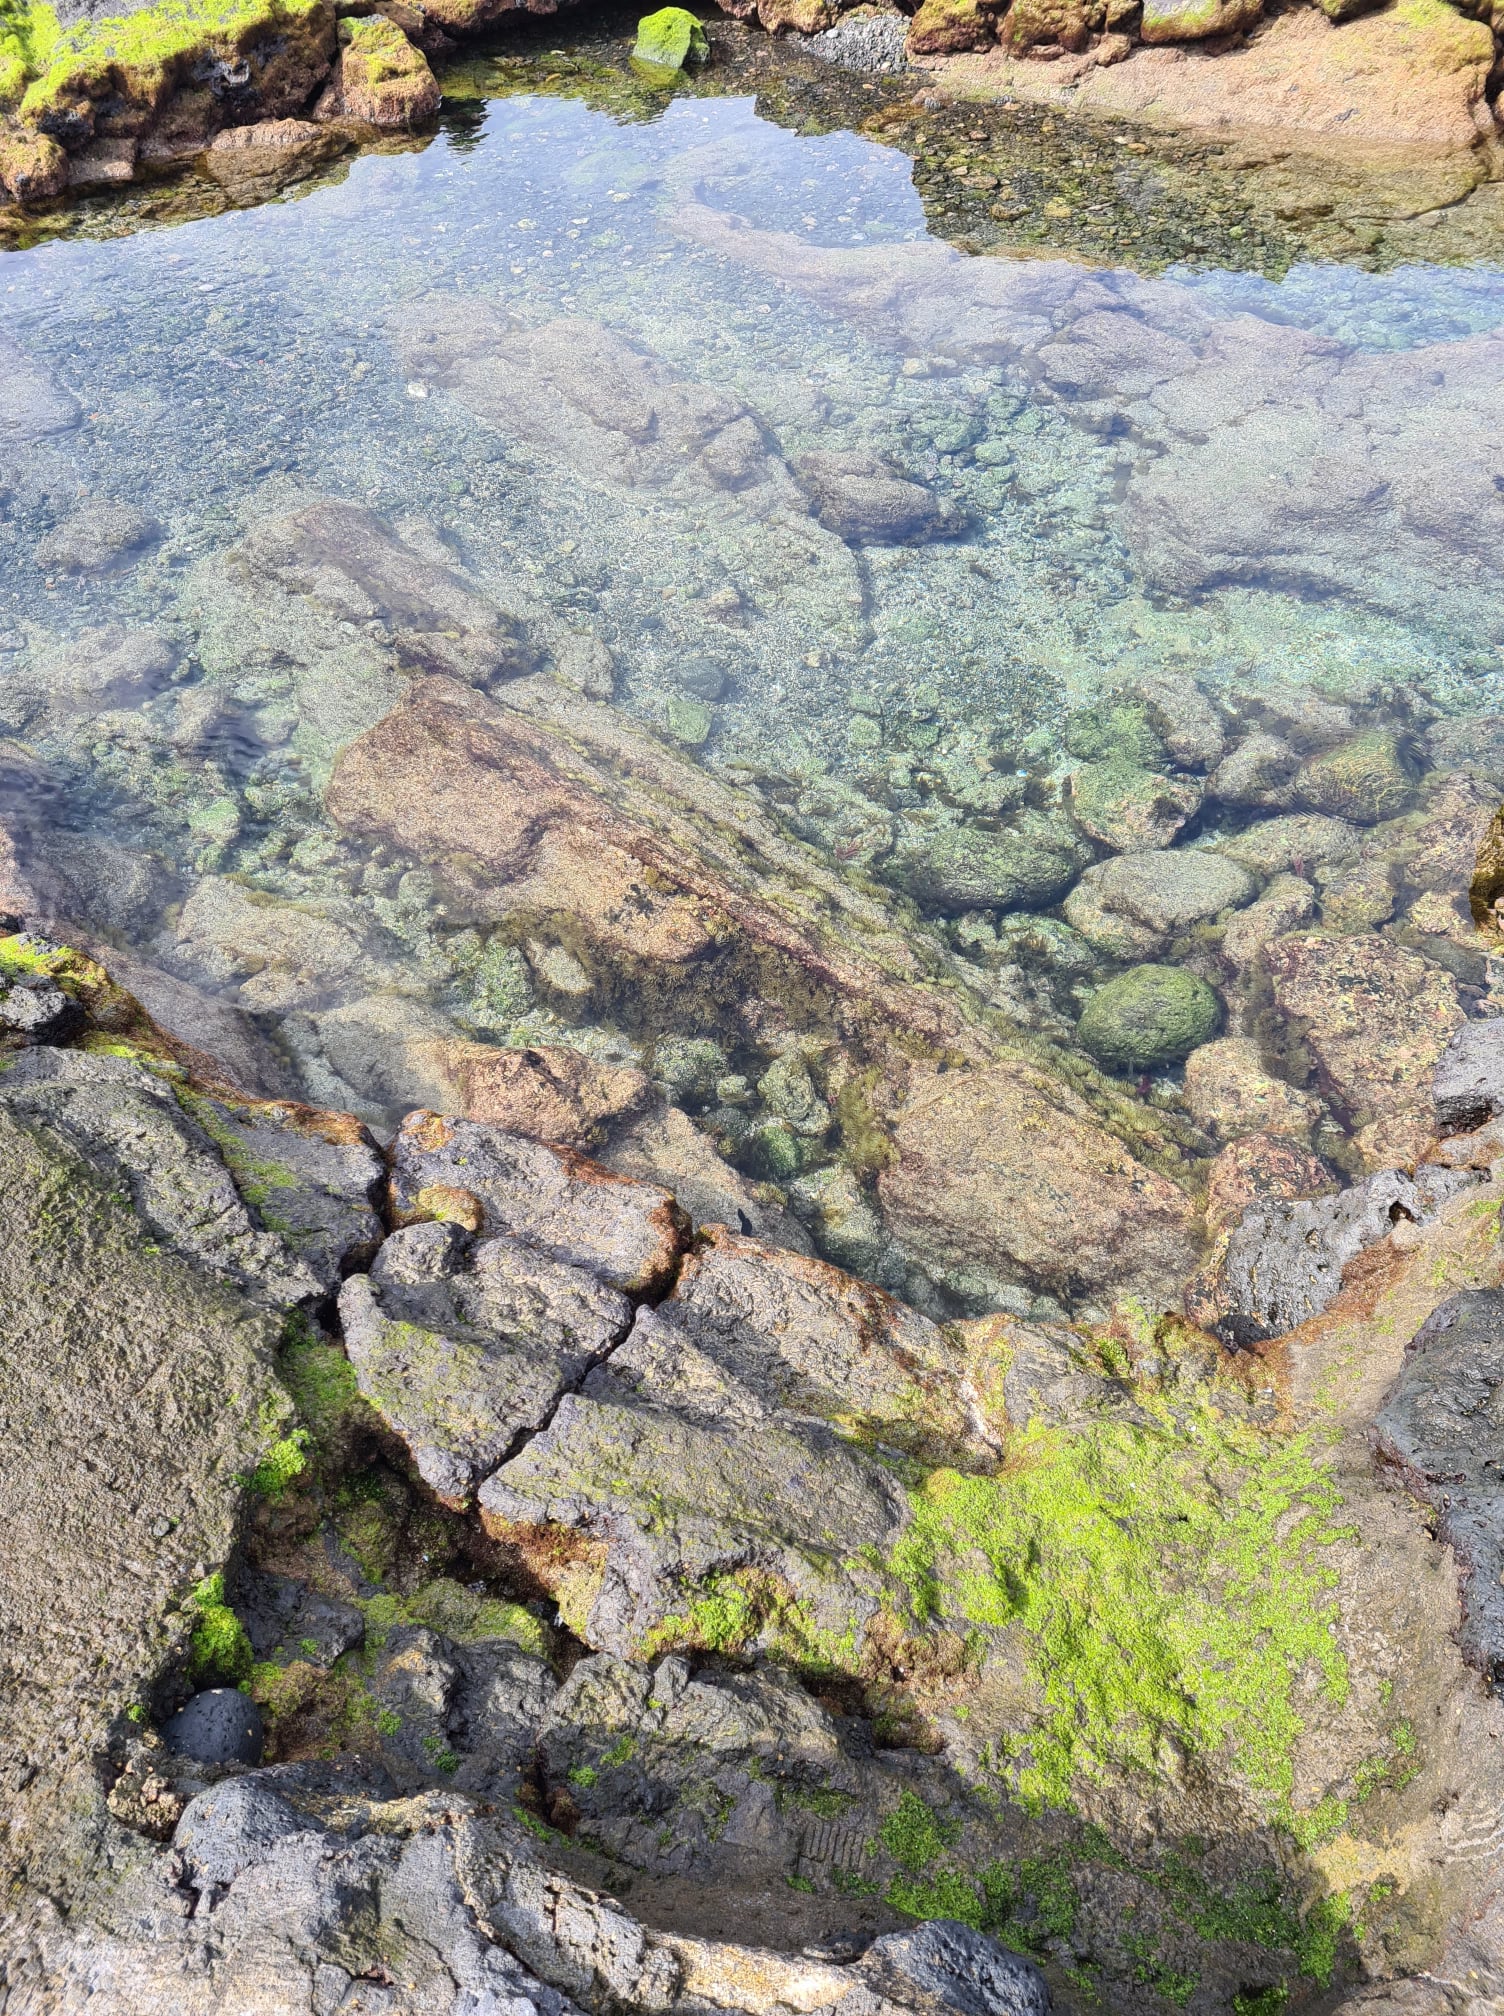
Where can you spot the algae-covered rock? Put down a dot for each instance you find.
(1140, 900)
(941, 27)
(1033, 24)
(670, 39)
(1128, 808)
(380, 79)
(32, 166)
(1030, 861)
(1375, 1020)
(1148, 1016)
(1364, 779)
(1196, 20)
(1229, 1091)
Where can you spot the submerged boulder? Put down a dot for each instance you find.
(1149, 1016)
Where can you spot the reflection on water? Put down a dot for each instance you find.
(979, 571)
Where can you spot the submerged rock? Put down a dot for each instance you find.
(860, 497)
(98, 536)
(1229, 1091)
(1136, 903)
(1029, 861)
(1127, 808)
(1149, 1016)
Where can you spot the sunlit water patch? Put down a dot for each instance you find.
(977, 572)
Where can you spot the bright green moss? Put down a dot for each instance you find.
(915, 1835)
(1168, 1582)
(219, 1652)
(137, 55)
(27, 36)
(445, 1606)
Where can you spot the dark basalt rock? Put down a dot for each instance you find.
(1441, 1434)
(219, 1726)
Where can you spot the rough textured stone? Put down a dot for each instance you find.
(1286, 902)
(1029, 861)
(1292, 845)
(1229, 1091)
(218, 1726)
(1468, 1085)
(1256, 771)
(1375, 1019)
(1127, 808)
(380, 79)
(573, 1210)
(465, 1346)
(548, 1092)
(940, 27)
(995, 1167)
(98, 536)
(1196, 20)
(1284, 1261)
(864, 500)
(1258, 1166)
(1160, 892)
(1147, 1017)
(162, 1410)
(128, 1122)
(1440, 1429)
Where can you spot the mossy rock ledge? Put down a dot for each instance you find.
(1086, 1662)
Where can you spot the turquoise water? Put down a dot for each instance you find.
(1257, 485)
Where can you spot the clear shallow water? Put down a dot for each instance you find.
(1114, 459)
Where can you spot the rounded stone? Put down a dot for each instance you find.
(230, 1828)
(1148, 1016)
(219, 1726)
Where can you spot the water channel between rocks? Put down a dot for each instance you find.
(980, 574)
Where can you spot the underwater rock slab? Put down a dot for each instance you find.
(464, 1346)
(1002, 1169)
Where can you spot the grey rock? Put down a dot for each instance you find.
(230, 1827)
(629, 1234)
(1468, 1085)
(1441, 1431)
(954, 1967)
(1030, 860)
(129, 1123)
(1258, 771)
(32, 403)
(502, 1699)
(683, 1470)
(1284, 1261)
(861, 498)
(219, 1726)
(1136, 902)
(465, 1346)
(312, 1178)
(416, 1678)
(873, 45)
(38, 1011)
(286, 1620)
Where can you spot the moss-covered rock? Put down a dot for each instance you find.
(116, 76)
(1148, 1016)
(380, 79)
(964, 868)
(1035, 24)
(942, 27)
(670, 39)
(1127, 807)
(32, 167)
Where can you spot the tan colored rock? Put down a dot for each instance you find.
(1438, 846)
(274, 149)
(1230, 1093)
(282, 954)
(32, 166)
(1374, 1019)
(1260, 1166)
(940, 27)
(1129, 809)
(999, 1168)
(548, 1092)
(1363, 780)
(1409, 76)
(380, 78)
(1286, 902)
(801, 17)
(669, 1149)
(1257, 771)
(1031, 24)
(1357, 897)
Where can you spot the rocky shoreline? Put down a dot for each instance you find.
(566, 1548)
(254, 95)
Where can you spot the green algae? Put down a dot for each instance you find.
(219, 1651)
(136, 56)
(457, 1613)
(1168, 1583)
(282, 1465)
(28, 35)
